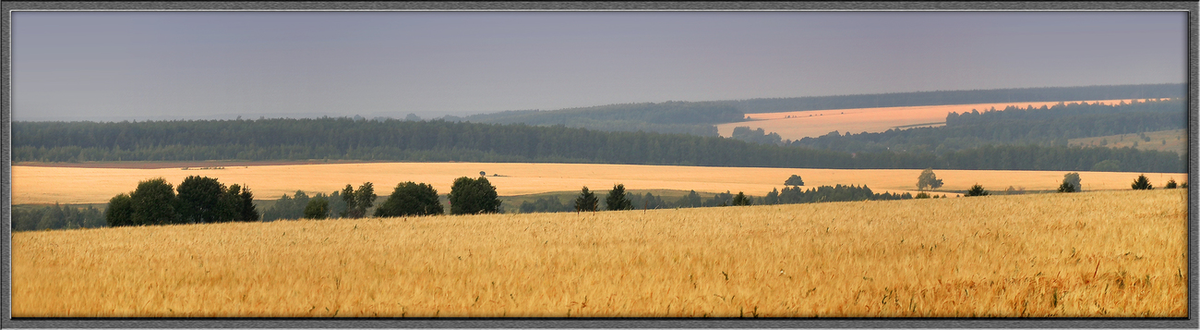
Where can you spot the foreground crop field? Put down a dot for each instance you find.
(1091, 254)
(800, 124)
(78, 185)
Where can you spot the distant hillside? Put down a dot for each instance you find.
(695, 118)
(433, 141)
(1042, 94)
(699, 118)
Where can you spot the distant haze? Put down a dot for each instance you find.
(205, 65)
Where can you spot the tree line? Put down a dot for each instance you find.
(695, 118)
(199, 200)
(66, 216)
(348, 139)
(467, 196)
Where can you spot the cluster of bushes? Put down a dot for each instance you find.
(199, 200)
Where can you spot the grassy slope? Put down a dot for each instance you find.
(1169, 140)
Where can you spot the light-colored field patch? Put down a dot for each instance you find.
(800, 124)
(1091, 254)
(1169, 140)
(74, 185)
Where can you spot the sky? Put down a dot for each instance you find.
(109, 66)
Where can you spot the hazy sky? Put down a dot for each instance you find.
(167, 65)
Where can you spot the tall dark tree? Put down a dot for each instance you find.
(473, 196)
(119, 211)
(1142, 183)
(410, 198)
(351, 203)
(245, 209)
(154, 203)
(586, 201)
(977, 190)
(616, 199)
(740, 199)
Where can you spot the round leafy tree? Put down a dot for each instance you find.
(120, 211)
(200, 200)
(1073, 180)
(410, 198)
(794, 180)
(317, 208)
(472, 196)
(154, 203)
(928, 180)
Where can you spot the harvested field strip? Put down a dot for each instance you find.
(1091, 254)
(47, 185)
(800, 124)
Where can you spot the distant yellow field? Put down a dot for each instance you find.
(1170, 140)
(1090, 254)
(41, 185)
(800, 124)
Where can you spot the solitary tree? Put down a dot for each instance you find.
(410, 198)
(976, 190)
(1072, 179)
(794, 180)
(1066, 187)
(1142, 183)
(1171, 184)
(317, 208)
(616, 200)
(586, 201)
(119, 211)
(740, 199)
(472, 196)
(154, 203)
(928, 179)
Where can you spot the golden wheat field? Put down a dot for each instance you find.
(800, 124)
(1090, 254)
(48, 184)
